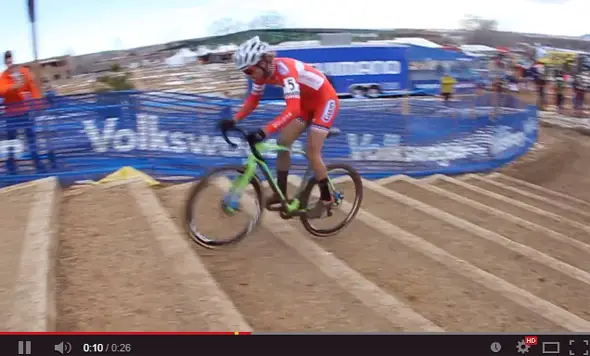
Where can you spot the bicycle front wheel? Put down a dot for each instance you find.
(349, 186)
(215, 215)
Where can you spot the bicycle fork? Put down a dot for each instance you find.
(231, 200)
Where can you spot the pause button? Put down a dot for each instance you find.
(24, 347)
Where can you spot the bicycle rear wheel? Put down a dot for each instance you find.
(352, 178)
(247, 207)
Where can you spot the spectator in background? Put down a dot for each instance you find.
(49, 95)
(559, 88)
(541, 81)
(529, 77)
(498, 75)
(447, 83)
(16, 87)
(481, 84)
(579, 93)
(512, 80)
(49, 92)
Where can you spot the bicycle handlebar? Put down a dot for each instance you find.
(253, 148)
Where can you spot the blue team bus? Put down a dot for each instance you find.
(358, 69)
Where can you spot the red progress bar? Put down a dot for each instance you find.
(129, 333)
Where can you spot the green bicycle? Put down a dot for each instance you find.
(244, 179)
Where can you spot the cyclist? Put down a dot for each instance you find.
(311, 101)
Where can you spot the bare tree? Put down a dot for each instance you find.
(225, 26)
(484, 31)
(269, 20)
(70, 52)
(476, 23)
(118, 44)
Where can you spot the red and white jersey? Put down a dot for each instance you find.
(298, 80)
(304, 87)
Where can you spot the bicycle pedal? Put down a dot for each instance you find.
(286, 216)
(274, 207)
(277, 206)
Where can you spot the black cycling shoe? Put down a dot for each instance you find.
(320, 210)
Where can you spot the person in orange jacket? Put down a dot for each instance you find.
(17, 88)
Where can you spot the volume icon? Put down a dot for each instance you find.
(63, 348)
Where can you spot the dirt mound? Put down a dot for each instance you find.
(561, 164)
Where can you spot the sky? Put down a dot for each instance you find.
(86, 26)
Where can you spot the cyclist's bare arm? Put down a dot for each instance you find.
(251, 103)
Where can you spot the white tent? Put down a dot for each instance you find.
(202, 51)
(230, 48)
(478, 50)
(182, 57)
(415, 41)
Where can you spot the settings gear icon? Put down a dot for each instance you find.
(522, 347)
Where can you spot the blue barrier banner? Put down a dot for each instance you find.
(170, 135)
(426, 76)
(432, 87)
(357, 68)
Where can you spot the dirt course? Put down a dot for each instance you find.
(562, 165)
(500, 252)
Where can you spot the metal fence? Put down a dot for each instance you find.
(170, 135)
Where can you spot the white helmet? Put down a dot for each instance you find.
(250, 52)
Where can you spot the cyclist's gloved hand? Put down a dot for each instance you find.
(255, 137)
(226, 124)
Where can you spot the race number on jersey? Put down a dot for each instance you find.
(290, 88)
